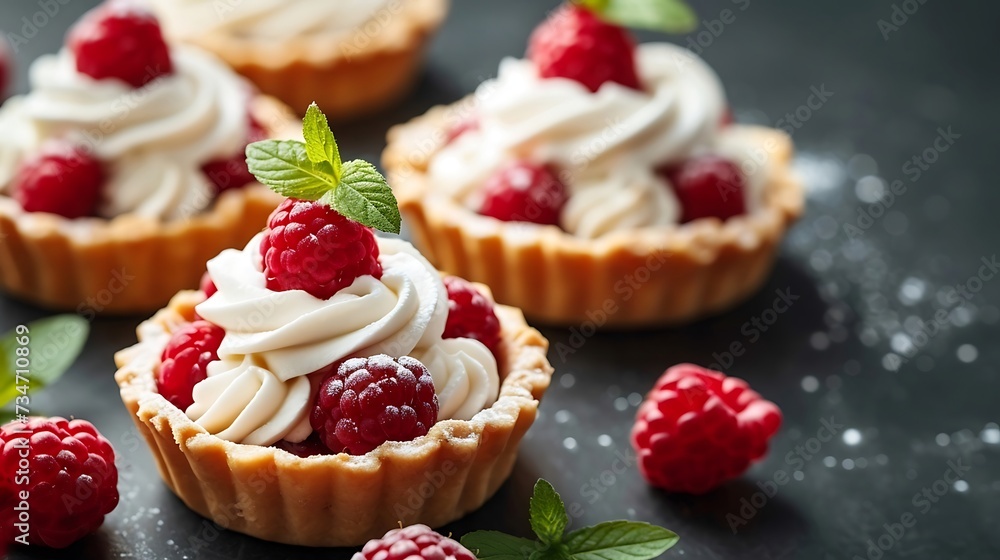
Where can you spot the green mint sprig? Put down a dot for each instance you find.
(611, 540)
(37, 354)
(670, 16)
(314, 171)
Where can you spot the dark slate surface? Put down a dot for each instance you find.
(909, 404)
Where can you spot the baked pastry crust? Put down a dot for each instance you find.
(348, 76)
(335, 500)
(628, 279)
(129, 264)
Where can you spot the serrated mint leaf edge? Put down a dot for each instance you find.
(365, 197)
(547, 513)
(284, 166)
(321, 146)
(659, 542)
(510, 547)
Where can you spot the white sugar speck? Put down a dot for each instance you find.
(852, 436)
(942, 439)
(569, 443)
(848, 464)
(563, 416)
(604, 440)
(830, 461)
(810, 384)
(567, 380)
(967, 353)
(990, 434)
(621, 403)
(961, 486)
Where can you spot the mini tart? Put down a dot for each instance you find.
(129, 264)
(348, 76)
(628, 279)
(335, 500)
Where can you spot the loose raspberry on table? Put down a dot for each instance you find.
(470, 314)
(415, 542)
(370, 401)
(708, 187)
(232, 172)
(184, 361)
(309, 246)
(122, 40)
(524, 192)
(698, 428)
(72, 481)
(61, 178)
(574, 43)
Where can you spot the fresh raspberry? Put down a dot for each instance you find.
(120, 40)
(415, 542)
(461, 127)
(524, 192)
(185, 360)
(574, 43)
(232, 172)
(62, 178)
(70, 478)
(470, 314)
(6, 67)
(306, 448)
(708, 187)
(698, 428)
(309, 246)
(369, 401)
(207, 286)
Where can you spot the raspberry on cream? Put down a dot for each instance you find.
(258, 391)
(153, 140)
(607, 144)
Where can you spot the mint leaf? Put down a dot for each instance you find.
(670, 16)
(285, 167)
(619, 540)
(494, 545)
(53, 345)
(320, 144)
(364, 196)
(547, 513)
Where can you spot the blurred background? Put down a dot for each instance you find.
(879, 93)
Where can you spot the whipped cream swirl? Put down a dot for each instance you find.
(243, 402)
(465, 375)
(607, 145)
(293, 333)
(260, 390)
(153, 140)
(264, 19)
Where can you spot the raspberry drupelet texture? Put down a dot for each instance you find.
(698, 428)
(416, 542)
(185, 360)
(308, 246)
(574, 43)
(524, 192)
(121, 40)
(470, 314)
(708, 187)
(71, 480)
(61, 178)
(370, 401)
